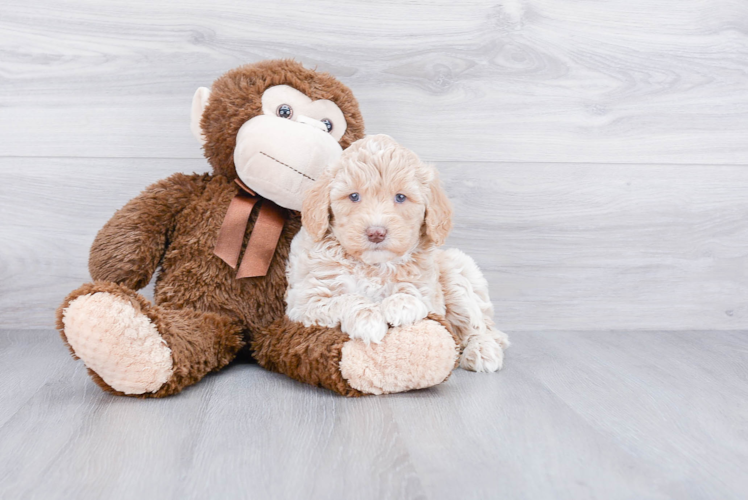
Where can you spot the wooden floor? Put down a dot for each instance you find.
(573, 415)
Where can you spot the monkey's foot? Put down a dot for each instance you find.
(412, 357)
(117, 341)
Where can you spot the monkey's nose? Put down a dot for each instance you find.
(376, 234)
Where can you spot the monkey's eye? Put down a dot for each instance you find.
(328, 124)
(354, 197)
(399, 198)
(284, 111)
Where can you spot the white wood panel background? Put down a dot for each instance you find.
(597, 152)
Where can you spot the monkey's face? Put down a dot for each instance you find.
(281, 152)
(276, 125)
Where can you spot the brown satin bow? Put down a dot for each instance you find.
(262, 241)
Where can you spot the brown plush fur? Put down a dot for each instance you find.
(132, 244)
(307, 354)
(201, 310)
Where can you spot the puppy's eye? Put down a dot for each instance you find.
(399, 198)
(354, 197)
(284, 111)
(328, 124)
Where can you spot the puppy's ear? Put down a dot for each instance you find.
(438, 220)
(315, 209)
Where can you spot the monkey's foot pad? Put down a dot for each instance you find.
(412, 357)
(118, 342)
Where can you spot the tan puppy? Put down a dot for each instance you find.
(366, 257)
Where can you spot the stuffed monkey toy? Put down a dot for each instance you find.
(268, 130)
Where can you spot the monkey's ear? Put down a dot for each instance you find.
(199, 101)
(438, 212)
(315, 209)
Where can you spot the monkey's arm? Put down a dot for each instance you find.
(130, 246)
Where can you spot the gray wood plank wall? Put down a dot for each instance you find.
(597, 153)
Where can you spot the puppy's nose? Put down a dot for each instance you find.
(376, 234)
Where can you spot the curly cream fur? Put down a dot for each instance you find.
(337, 276)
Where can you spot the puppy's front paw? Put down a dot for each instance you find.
(482, 354)
(366, 323)
(401, 309)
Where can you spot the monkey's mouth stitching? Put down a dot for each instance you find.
(287, 166)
